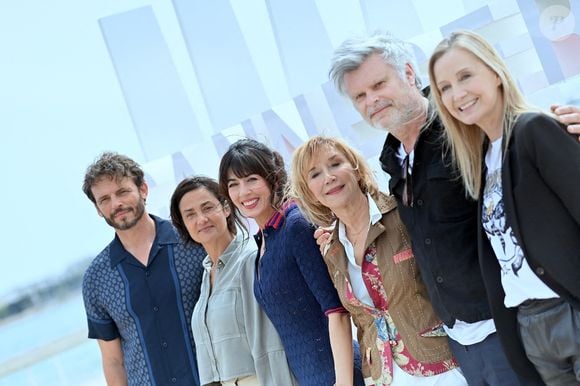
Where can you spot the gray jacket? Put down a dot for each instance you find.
(233, 336)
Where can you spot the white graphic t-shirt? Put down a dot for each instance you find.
(519, 282)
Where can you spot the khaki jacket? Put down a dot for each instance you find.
(409, 305)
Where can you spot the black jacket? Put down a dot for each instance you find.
(541, 196)
(443, 227)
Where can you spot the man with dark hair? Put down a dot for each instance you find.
(139, 292)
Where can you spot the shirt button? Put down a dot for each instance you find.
(419, 202)
(428, 241)
(439, 279)
(173, 380)
(164, 344)
(155, 308)
(147, 273)
(540, 271)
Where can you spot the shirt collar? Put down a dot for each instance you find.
(402, 154)
(164, 235)
(231, 251)
(278, 217)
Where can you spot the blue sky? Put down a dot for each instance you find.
(60, 106)
(61, 103)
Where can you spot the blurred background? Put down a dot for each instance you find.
(172, 83)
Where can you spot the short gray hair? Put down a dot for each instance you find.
(354, 51)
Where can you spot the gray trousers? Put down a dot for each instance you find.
(550, 332)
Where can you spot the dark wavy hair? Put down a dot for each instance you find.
(113, 165)
(211, 185)
(248, 156)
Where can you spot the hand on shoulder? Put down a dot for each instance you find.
(322, 236)
(568, 115)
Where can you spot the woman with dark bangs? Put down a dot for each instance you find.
(291, 281)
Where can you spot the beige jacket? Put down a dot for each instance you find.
(409, 305)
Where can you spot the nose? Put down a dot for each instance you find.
(458, 93)
(329, 178)
(371, 98)
(201, 218)
(244, 188)
(115, 202)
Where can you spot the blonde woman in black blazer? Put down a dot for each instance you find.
(524, 168)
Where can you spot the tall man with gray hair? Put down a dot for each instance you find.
(139, 292)
(379, 76)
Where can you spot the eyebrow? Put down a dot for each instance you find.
(332, 157)
(201, 205)
(463, 69)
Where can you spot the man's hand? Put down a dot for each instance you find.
(568, 115)
(322, 236)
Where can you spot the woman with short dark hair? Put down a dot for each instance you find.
(236, 344)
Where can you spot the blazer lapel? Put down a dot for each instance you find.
(336, 254)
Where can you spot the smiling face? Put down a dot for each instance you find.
(204, 217)
(383, 97)
(470, 90)
(119, 201)
(332, 179)
(251, 195)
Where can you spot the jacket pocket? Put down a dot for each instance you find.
(403, 255)
(434, 331)
(224, 314)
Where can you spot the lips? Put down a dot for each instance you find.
(121, 212)
(375, 110)
(204, 229)
(249, 204)
(335, 190)
(467, 105)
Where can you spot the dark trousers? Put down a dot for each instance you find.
(550, 333)
(485, 363)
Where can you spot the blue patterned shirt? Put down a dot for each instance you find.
(148, 307)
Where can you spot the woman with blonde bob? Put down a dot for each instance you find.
(524, 169)
(372, 266)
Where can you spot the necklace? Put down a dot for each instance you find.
(355, 237)
(217, 266)
(348, 232)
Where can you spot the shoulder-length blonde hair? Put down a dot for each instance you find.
(302, 160)
(466, 141)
